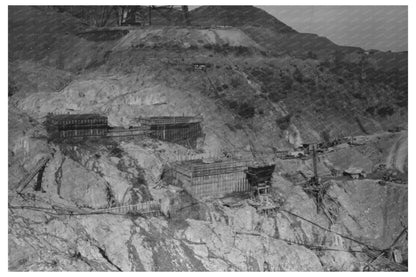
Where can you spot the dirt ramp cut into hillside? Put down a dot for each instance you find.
(185, 38)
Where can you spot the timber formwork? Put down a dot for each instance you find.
(76, 125)
(260, 175)
(216, 179)
(87, 125)
(184, 130)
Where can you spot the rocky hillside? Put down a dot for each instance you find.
(237, 16)
(254, 102)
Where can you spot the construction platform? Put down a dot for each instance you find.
(215, 179)
(167, 120)
(73, 121)
(76, 125)
(184, 130)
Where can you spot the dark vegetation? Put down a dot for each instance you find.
(277, 85)
(245, 109)
(227, 49)
(103, 35)
(284, 122)
(237, 16)
(235, 82)
(385, 111)
(366, 73)
(13, 88)
(98, 16)
(216, 48)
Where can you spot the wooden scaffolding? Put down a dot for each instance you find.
(184, 130)
(76, 125)
(215, 179)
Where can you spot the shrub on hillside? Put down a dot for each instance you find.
(12, 87)
(385, 111)
(298, 76)
(284, 122)
(235, 82)
(246, 110)
(275, 97)
(370, 110)
(287, 82)
(241, 51)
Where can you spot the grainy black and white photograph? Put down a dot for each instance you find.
(207, 138)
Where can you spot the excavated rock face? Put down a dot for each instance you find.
(373, 213)
(71, 181)
(225, 243)
(236, 239)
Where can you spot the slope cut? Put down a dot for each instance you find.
(185, 38)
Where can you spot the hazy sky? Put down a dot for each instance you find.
(369, 27)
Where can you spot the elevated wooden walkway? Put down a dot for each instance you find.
(150, 207)
(121, 132)
(168, 120)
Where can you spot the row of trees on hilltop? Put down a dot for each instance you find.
(101, 16)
